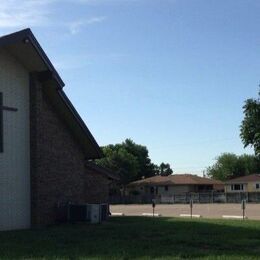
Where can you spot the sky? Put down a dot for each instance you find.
(172, 75)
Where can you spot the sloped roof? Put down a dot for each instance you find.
(176, 179)
(243, 179)
(102, 170)
(26, 49)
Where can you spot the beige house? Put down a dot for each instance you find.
(174, 184)
(249, 183)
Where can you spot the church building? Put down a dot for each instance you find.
(45, 147)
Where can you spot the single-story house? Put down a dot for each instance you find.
(173, 184)
(248, 183)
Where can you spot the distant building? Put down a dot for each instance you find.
(249, 183)
(173, 184)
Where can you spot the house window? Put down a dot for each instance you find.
(237, 187)
(166, 188)
(257, 186)
(205, 187)
(152, 190)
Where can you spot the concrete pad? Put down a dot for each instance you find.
(233, 217)
(151, 215)
(117, 214)
(188, 215)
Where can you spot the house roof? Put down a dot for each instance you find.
(244, 179)
(26, 49)
(104, 171)
(176, 179)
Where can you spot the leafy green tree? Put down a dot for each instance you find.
(119, 160)
(224, 168)
(130, 161)
(229, 166)
(146, 167)
(250, 127)
(247, 164)
(165, 169)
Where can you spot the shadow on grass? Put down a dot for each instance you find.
(137, 237)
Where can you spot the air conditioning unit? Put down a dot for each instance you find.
(104, 209)
(96, 213)
(77, 212)
(93, 213)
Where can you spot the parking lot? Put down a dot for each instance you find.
(174, 210)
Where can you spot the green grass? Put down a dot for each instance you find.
(137, 238)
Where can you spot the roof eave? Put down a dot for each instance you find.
(81, 124)
(27, 34)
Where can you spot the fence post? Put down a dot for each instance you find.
(153, 205)
(243, 206)
(191, 206)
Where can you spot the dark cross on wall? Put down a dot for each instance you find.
(2, 109)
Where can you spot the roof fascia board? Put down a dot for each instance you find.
(102, 170)
(13, 38)
(45, 58)
(238, 182)
(80, 121)
(27, 34)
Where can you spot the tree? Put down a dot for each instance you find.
(119, 160)
(146, 167)
(131, 161)
(229, 166)
(165, 169)
(247, 164)
(250, 127)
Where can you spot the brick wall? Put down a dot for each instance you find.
(96, 193)
(58, 173)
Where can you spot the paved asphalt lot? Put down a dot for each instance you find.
(174, 210)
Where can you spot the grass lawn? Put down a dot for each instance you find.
(137, 238)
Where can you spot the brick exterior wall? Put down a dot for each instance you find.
(58, 172)
(96, 193)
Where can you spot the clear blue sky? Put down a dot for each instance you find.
(170, 74)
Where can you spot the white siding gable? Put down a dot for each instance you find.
(15, 159)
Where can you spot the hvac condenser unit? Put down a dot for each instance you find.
(93, 213)
(97, 212)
